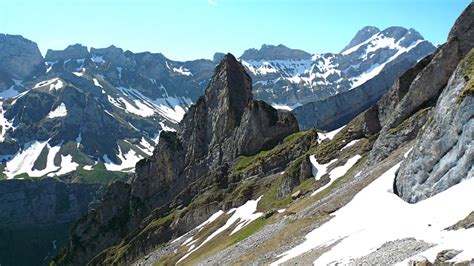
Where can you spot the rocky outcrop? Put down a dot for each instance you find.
(19, 57)
(419, 91)
(76, 51)
(224, 124)
(443, 154)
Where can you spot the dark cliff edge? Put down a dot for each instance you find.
(35, 217)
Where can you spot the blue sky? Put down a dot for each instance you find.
(191, 29)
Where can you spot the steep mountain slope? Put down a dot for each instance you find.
(224, 124)
(380, 194)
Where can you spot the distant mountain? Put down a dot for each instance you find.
(76, 108)
(94, 109)
(288, 78)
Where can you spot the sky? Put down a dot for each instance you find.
(192, 29)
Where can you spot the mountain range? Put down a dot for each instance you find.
(239, 183)
(56, 108)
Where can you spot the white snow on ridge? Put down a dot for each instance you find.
(60, 111)
(128, 161)
(45, 83)
(338, 172)
(377, 68)
(242, 215)
(182, 70)
(285, 106)
(376, 215)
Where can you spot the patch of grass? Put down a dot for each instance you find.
(468, 72)
(77, 156)
(246, 162)
(294, 136)
(98, 175)
(270, 199)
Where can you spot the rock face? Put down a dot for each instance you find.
(431, 104)
(19, 57)
(444, 152)
(42, 203)
(76, 51)
(35, 217)
(224, 124)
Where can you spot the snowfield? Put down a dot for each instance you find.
(376, 215)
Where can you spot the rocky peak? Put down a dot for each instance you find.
(227, 95)
(275, 52)
(362, 35)
(19, 57)
(76, 51)
(463, 30)
(113, 55)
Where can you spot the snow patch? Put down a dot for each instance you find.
(97, 59)
(328, 135)
(96, 83)
(338, 172)
(242, 215)
(60, 111)
(319, 170)
(128, 161)
(183, 71)
(350, 144)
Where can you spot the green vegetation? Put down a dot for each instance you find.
(246, 163)
(468, 89)
(77, 156)
(98, 175)
(406, 123)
